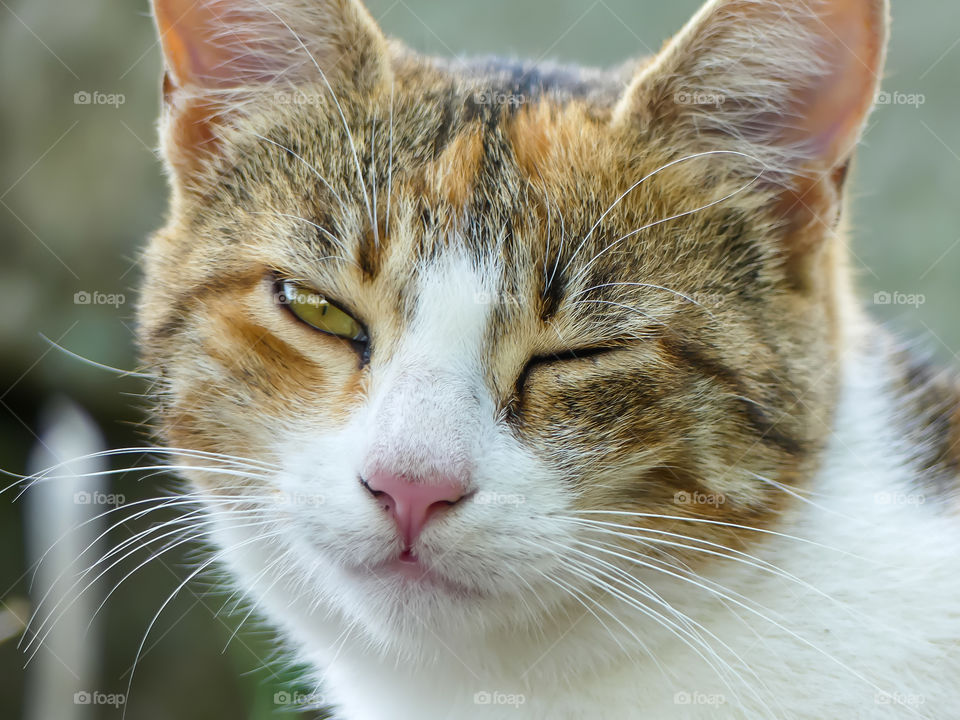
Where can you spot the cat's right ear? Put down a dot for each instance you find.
(785, 86)
(221, 54)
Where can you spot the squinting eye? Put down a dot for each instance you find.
(313, 308)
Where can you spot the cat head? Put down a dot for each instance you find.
(443, 342)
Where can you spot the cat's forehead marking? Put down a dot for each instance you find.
(547, 137)
(453, 173)
(452, 309)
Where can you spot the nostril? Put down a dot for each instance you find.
(411, 504)
(439, 506)
(382, 497)
(375, 493)
(447, 503)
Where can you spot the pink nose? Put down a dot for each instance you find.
(411, 505)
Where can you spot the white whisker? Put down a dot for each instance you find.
(191, 576)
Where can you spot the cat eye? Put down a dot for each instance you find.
(559, 358)
(574, 354)
(311, 307)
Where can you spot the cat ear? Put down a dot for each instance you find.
(220, 53)
(790, 82)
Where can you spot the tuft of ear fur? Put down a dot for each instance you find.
(222, 54)
(791, 79)
(789, 82)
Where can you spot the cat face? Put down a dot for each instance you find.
(444, 341)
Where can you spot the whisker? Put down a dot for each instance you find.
(390, 164)
(686, 635)
(165, 502)
(39, 636)
(330, 236)
(144, 468)
(152, 450)
(797, 495)
(718, 523)
(636, 310)
(191, 576)
(373, 181)
(743, 605)
(640, 182)
(644, 285)
(187, 538)
(580, 274)
(581, 598)
(305, 162)
(267, 568)
(722, 551)
(94, 363)
(333, 95)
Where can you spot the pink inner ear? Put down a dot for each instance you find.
(213, 44)
(825, 120)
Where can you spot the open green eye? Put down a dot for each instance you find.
(313, 308)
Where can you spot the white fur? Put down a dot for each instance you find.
(862, 622)
(866, 626)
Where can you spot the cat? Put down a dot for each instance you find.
(516, 390)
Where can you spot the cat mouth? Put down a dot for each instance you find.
(412, 571)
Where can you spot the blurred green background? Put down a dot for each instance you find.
(80, 189)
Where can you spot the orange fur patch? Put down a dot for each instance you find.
(551, 139)
(452, 176)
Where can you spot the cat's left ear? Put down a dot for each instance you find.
(220, 54)
(790, 82)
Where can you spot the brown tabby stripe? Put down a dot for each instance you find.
(213, 286)
(929, 412)
(765, 427)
